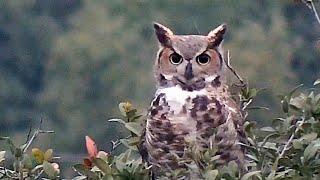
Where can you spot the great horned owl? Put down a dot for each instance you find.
(192, 104)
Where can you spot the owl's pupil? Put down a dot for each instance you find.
(203, 59)
(175, 58)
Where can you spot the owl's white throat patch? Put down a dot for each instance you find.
(176, 97)
(209, 79)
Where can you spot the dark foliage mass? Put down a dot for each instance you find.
(290, 149)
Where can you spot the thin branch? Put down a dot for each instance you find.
(34, 136)
(315, 11)
(246, 104)
(29, 132)
(115, 144)
(39, 174)
(310, 5)
(196, 26)
(291, 138)
(9, 176)
(285, 148)
(228, 64)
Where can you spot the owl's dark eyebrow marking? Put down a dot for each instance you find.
(204, 51)
(174, 51)
(159, 55)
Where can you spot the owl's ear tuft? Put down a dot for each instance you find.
(216, 36)
(163, 34)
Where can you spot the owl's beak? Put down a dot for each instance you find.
(188, 74)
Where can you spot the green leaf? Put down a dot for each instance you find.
(248, 175)
(134, 127)
(12, 147)
(309, 137)
(270, 136)
(27, 161)
(133, 141)
(282, 174)
(297, 144)
(233, 168)
(124, 108)
(298, 102)
(285, 105)
(102, 165)
(83, 170)
(38, 155)
(268, 129)
(128, 144)
(251, 141)
(248, 127)
(294, 90)
(79, 178)
(311, 150)
(211, 174)
(253, 93)
(103, 155)
(252, 157)
(48, 155)
(131, 114)
(117, 120)
(18, 153)
(49, 170)
(2, 156)
(107, 177)
(215, 158)
(285, 162)
(316, 82)
(136, 117)
(269, 145)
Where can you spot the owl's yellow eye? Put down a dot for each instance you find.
(203, 59)
(175, 59)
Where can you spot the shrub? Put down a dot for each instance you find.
(289, 149)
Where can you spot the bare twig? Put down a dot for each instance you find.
(196, 26)
(29, 132)
(34, 136)
(285, 148)
(115, 144)
(39, 174)
(228, 64)
(9, 176)
(315, 11)
(310, 5)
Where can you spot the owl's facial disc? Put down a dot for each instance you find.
(188, 60)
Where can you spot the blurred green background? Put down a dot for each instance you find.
(70, 62)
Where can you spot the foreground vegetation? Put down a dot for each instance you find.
(289, 149)
(69, 62)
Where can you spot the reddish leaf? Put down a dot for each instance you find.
(91, 147)
(87, 163)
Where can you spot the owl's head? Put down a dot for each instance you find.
(191, 61)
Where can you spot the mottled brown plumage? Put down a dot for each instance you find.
(192, 105)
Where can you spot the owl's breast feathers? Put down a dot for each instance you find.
(205, 118)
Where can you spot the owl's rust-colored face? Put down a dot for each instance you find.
(188, 59)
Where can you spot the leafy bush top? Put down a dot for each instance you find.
(290, 149)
